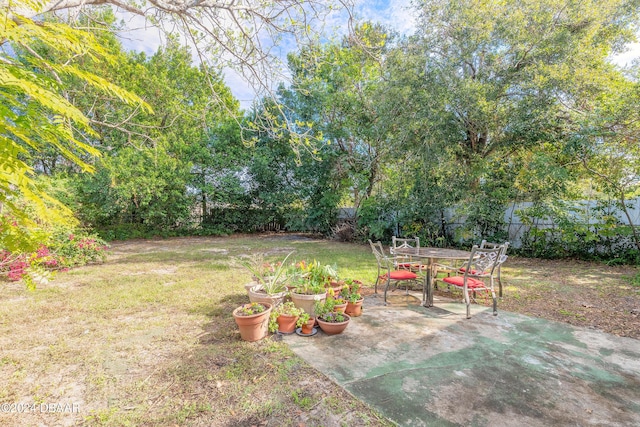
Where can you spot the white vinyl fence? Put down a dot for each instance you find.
(583, 211)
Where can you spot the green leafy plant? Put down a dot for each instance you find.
(284, 308)
(339, 300)
(312, 278)
(351, 291)
(251, 309)
(272, 277)
(303, 319)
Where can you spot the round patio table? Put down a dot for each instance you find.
(431, 255)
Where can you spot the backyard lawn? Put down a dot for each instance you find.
(147, 338)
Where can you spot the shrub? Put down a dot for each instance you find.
(64, 250)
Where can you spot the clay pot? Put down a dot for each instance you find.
(334, 328)
(307, 328)
(255, 326)
(354, 309)
(340, 307)
(336, 286)
(287, 323)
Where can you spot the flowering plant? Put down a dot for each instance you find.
(333, 317)
(312, 278)
(62, 251)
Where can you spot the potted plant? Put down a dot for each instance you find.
(331, 322)
(306, 324)
(270, 280)
(253, 320)
(284, 318)
(351, 293)
(309, 281)
(340, 304)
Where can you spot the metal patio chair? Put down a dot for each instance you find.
(388, 272)
(505, 246)
(479, 275)
(405, 262)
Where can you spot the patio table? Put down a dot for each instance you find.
(431, 255)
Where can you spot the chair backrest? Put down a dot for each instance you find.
(404, 243)
(378, 251)
(484, 260)
(504, 246)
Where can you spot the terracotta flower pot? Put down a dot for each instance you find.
(354, 309)
(336, 286)
(340, 307)
(287, 323)
(334, 328)
(255, 326)
(307, 328)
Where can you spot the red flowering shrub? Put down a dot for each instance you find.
(65, 250)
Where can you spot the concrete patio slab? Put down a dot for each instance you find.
(432, 367)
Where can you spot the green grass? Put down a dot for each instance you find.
(147, 338)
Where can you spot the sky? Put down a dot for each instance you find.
(394, 14)
(143, 37)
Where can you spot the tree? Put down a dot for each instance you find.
(335, 86)
(35, 114)
(608, 145)
(154, 165)
(243, 35)
(233, 33)
(482, 83)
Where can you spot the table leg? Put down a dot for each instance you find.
(427, 294)
(425, 290)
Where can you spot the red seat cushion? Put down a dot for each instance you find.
(459, 281)
(474, 272)
(401, 275)
(410, 266)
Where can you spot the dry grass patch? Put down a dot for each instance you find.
(148, 339)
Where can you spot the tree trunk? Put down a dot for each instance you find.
(636, 238)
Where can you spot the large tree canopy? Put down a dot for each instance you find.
(494, 90)
(36, 115)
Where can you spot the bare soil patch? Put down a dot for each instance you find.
(580, 293)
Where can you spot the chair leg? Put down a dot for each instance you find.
(375, 286)
(495, 302)
(468, 302)
(499, 283)
(385, 290)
